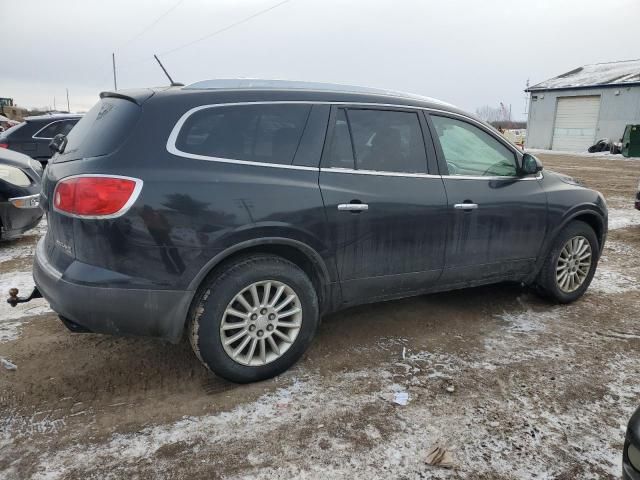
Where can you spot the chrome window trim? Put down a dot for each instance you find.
(207, 158)
(377, 173)
(173, 136)
(539, 176)
(35, 135)
(125, 208)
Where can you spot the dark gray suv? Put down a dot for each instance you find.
(241, 211)
(32, 137)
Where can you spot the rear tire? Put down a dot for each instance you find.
(254, 319)
(570, 264)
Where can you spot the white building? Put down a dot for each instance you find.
(574, 110)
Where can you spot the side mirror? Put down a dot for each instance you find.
(58, 143)
(530, 164)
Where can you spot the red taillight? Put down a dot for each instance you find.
(4, 145)
(100, 196)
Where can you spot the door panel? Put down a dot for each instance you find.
(502, 236)
(28, 147)
(498, 219)
(397, 244)
(388, 227)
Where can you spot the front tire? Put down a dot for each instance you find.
(254, 319)
(570, 264)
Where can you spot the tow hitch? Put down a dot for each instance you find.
(14, 299)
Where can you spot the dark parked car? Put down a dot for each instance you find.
(242, 211)
(631, 452)
(19, 194)
(32, 137)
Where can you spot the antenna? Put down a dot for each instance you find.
(113, 60)
(173, 84)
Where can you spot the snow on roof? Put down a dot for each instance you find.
(597, 74)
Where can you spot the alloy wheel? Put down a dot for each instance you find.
(261, 323)
(573, 264)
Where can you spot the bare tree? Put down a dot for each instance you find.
(498, 116)
(488, 113)
(494, 114)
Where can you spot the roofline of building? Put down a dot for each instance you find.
(584, 87)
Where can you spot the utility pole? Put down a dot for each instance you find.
(115, 83)
(54, 102)
(68, 109)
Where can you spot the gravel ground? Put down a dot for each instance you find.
(511, 386)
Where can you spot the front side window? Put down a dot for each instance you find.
(468, 150)
(258, 133)
(378, 140)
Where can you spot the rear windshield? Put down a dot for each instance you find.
(101, 131)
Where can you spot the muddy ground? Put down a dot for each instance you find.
(511, 386)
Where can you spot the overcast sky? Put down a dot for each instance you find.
(466, 52)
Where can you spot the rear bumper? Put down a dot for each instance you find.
(107, 309)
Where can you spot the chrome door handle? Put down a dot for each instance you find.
(466, 206)
(353, 207)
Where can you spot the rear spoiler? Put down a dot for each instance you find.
(138, 96)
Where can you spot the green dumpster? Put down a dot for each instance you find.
(631, 141)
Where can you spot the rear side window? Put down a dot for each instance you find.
(256, 133)
(101, 131)
(380, 140)
(55, 128)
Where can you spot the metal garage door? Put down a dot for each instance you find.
(575, 123)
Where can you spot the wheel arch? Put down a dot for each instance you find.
(297, 252)
(584, 213)
(595, 221)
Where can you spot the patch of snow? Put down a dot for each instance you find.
(618, 248)
(10, 328)
(525, 322)
(261, 416)
(608, 73)
(623, 218)
(11, 251)
(12, 318)
(611, 282)
(14, 424)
